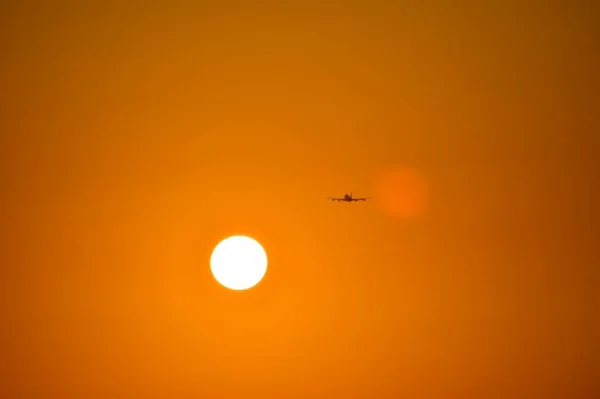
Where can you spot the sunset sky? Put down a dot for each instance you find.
(134, 136)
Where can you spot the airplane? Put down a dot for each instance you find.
(348, 198)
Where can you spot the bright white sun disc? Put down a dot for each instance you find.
(238, 262)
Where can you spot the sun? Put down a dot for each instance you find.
(238, 262)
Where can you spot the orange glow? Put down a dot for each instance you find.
(136, 135)
(402, 192)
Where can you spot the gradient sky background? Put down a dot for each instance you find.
(134, 136)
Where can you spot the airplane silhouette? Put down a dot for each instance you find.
(348, 198)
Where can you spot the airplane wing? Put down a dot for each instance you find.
(361, 199)
(335, 199)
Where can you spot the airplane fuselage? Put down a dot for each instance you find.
(348, 198)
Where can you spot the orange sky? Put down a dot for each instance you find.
(135, 136)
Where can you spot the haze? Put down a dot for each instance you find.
(137, 135)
